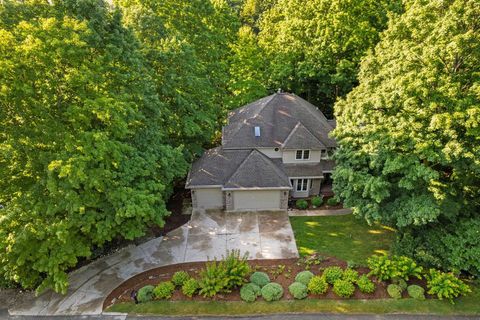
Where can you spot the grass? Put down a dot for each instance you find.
(463, 306)
(344, 237)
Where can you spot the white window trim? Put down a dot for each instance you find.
(303, 154)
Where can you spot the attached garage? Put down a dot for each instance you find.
(207, 198)
(257, 200)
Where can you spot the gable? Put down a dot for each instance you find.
(302, 138)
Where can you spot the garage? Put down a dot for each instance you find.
(257, 200)
(207, 198)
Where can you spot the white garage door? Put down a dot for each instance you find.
(211, 198)
(256, 200)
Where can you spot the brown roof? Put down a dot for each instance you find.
(303, 170)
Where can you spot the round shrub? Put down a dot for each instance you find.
(301, 204)
(332, 201)
(333, 274)
(304, 277)
(272, 292)
(249, 292)
(145, 294)
(365, 285)
(179, 278)
(400, 282)
(190, 287)
(416, 292)
(394, 291)
(343, 288)
(317, 201)
(259, 278)
(350, 275)
(317, 285)
(164, 290)
(298, 290)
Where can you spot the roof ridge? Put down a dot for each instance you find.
(308, 106)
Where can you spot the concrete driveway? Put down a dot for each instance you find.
(265, 235)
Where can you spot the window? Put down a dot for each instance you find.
(323, 154)
(302, 184)
(302, 155)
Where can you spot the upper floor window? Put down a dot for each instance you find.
(302, 155)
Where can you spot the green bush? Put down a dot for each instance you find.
(260, 278)
(213, 279)
(317, 201)
(272, 291)
(400, 282)
(333, 274)
(164, 290)
(382, 267)
(416, 292)
(350, 275)
(236, 268)
(298, 290)
(407, 268)
(249, 292)
(304, 277)
(446, 285)
(301, 204)
(190, 287)
(145, 294)
(317, 285)
(343, 288)
(394, 291)
(365, 285)
(179, 278)
(332, 201)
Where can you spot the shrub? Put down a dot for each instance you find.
(446, 285)
(365, 285)
(236, 268)
(301, 204)
(317, 201)
(416, 292)
(213, 279)
(407, 268)
(272, 292)
(298, 290)
(343, 288)
(350, 275)
(145, 294)
(304, 277)
(260, 278)
(394, 291)
(164, 290)
(190, 287)
(382, 267)
(179, 278)
(332, 201)
(249, 292)
(400, 282)
(332, 274)
(317, 285)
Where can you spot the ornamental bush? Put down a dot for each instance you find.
(213, 279)
(333, 274)
(260, 278)
(179, 278)
(272, 292)
(298, 290)
(164, 290)
(350, 275)
(382, 267)
(317, 285)
(401, 283)
(407, 268)
(416, 292)
(332, 201)
(304, 277)
(236, 268)
(446, 285)
(343, 288)
(249, 292)
(394, 291)
(190, 287)
(365, 284)
(301, 204)
(145, 294)
(317, 201)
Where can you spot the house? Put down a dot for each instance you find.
(272, 149)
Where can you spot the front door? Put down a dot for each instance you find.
(300, 187)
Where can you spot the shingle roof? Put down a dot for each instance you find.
(327, 165)
(303, 170)
(302, 138)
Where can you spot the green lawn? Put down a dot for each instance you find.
(344, 237)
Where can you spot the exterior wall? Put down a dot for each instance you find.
(315, 190)
(208, 198)
(284, 200)
(270, 152)
(257, 200)
(289, 157)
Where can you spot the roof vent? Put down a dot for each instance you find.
(257, 131)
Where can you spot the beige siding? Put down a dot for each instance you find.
(208, 198)
(257, 200)
(270, 152)
(289, 157)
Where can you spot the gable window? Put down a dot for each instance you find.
(302, 155)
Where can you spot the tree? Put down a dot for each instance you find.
(84, 151)
(409, 134)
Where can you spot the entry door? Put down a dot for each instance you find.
(301, 187)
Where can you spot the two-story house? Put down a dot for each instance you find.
(272, 149)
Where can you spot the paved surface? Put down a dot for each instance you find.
(265, 235)
(326, 212)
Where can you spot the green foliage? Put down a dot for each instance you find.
(304, 277)
(317, 201)
(382, 267)
(333, 274)
(343, 288)
(179, 278)
(164, 290)
(350, 275)
(446, 285)
(400, 282)
(394, 291)
(190, 287)
(213, 279)
(407, 268)
(317, 285)
(365, 284)
(301, 204)
(236, 268)
(145, 294)
(298, 290)
(416, 292)
(259, 278)
(272, 291)
(332, 201)
(311, 259)
(249, 292)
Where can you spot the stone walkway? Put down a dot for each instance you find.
(325, 212)
(265, 235)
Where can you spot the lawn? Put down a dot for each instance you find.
(344, 237)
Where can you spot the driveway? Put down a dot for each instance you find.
(265, 235)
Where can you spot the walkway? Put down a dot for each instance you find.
(325, 212)
(265, 235)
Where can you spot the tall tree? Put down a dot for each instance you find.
(409, 134)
